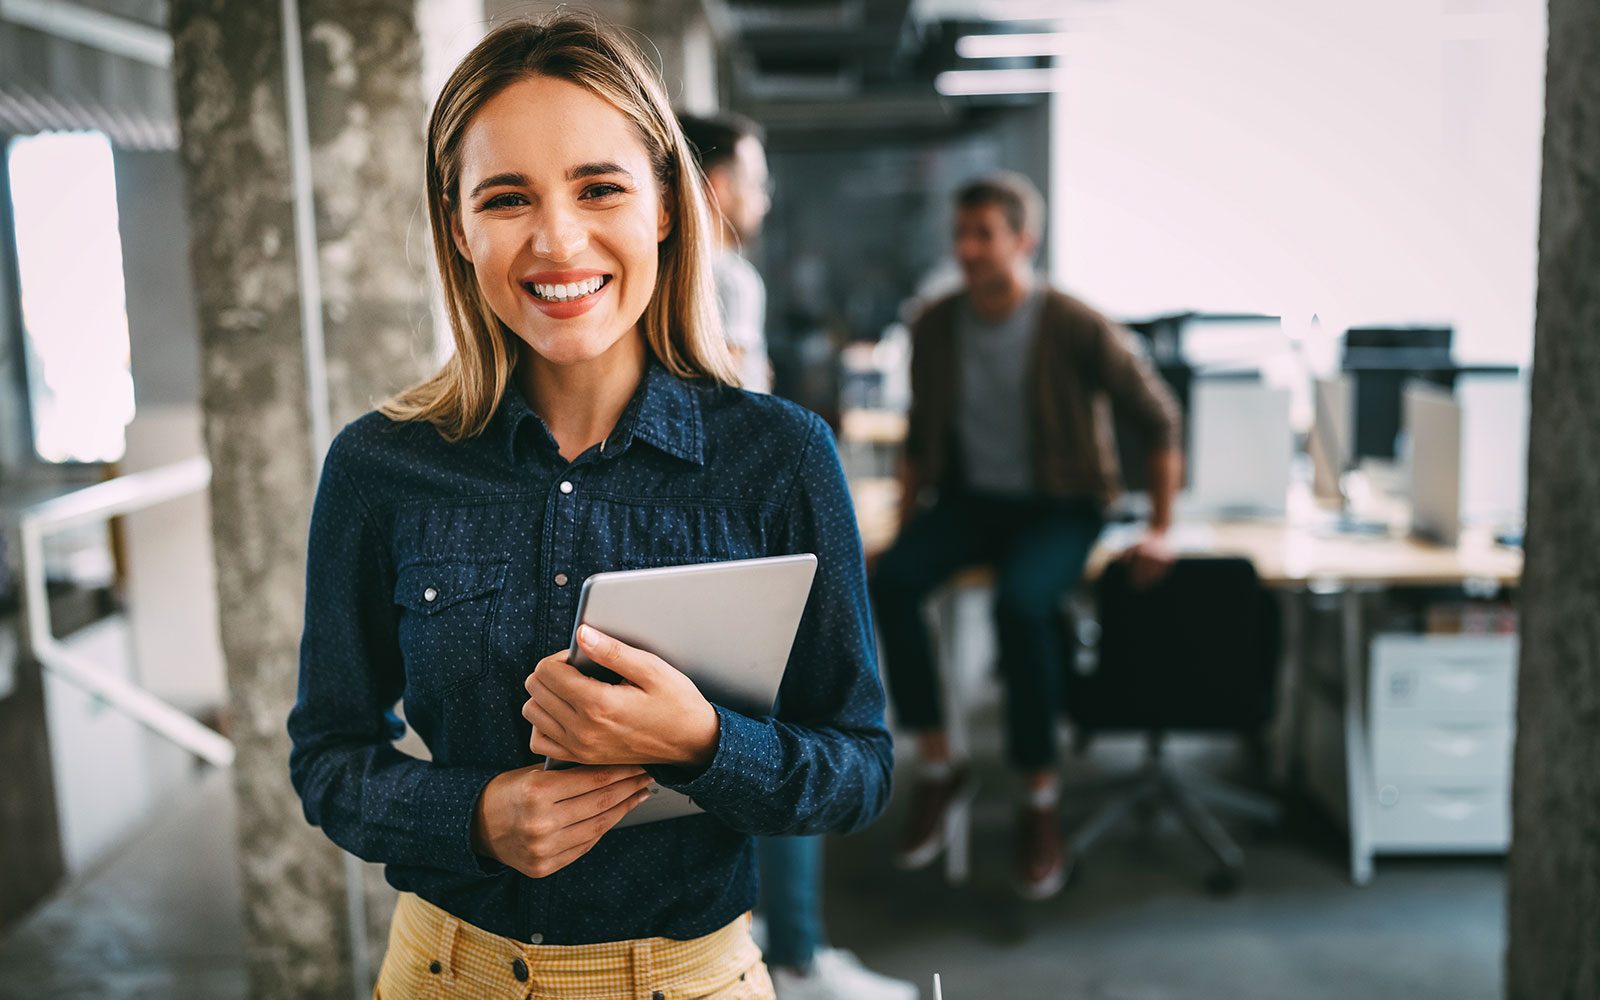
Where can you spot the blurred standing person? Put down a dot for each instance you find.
(734, 162)
(731, 156)
(1010, 381)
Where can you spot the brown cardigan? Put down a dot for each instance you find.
(1082, 364)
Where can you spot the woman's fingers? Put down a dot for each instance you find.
(575, 840)
(549, 736)
(636, 666)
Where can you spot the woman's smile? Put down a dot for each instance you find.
(566, 294)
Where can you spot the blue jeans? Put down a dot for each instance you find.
(1038, 547)
(791, 898)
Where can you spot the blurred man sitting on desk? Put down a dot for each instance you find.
(1010, 433)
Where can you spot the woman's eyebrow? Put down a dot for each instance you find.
(596, 169)
(508, 179)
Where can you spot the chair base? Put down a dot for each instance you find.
(1157, 787)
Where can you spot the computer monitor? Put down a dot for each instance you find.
(1329, 441)
(1433, 421)
(1383, 361)
(1231, 342)
(1241, 446)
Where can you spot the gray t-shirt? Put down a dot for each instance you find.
(993, 422)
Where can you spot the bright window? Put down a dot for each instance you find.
(69, 257)
(1370, 162)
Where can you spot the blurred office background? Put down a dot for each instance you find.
(1321, 219)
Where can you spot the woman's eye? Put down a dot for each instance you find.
(596, 191)
(508, 200)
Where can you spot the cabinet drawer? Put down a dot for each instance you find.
(1418, 676)
(1442, 816)
(1479, 750)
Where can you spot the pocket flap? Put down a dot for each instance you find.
(432, 587)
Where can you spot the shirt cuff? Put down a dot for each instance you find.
(455, 794)
(746, 748)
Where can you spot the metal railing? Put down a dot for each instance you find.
(97, 504)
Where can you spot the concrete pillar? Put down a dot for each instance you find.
(277, 379)
(1554, 870)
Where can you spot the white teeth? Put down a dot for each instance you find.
(569, 291)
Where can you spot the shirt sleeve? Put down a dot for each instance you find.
(371, 799)
(824, 763)
(1136, 390)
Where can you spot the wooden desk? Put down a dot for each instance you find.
(1299, 558)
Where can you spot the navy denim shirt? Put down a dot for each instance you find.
(441, 573)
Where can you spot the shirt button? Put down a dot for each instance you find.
(561, 579)
(435, 968)
(658, 995)
(429, 594)
(536, 939)
(566, 487)
(519, 968)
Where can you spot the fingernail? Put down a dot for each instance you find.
(586, 635)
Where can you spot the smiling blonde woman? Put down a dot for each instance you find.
(586, 422)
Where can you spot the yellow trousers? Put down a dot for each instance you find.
(434, 956)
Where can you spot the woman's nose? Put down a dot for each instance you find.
(558, 236)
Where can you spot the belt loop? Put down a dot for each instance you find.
(644, 969)
(447, 945)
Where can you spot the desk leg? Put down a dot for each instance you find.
(1358, 765)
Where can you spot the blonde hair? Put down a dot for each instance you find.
(681, 324)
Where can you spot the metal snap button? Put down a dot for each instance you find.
(536, 939)
(429, 594)
(561, 579)
(519, 968)
(566, 487)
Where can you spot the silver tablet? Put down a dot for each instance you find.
(728, 625)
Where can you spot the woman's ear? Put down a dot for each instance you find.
(666, 213)
(459, 235)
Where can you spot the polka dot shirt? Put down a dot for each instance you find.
(440, 573)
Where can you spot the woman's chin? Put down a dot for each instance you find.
(568, 352)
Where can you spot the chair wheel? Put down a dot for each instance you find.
(1224, 881)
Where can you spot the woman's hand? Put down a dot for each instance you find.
(655, 716)
(539, 821)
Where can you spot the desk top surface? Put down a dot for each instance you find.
(1286, 553)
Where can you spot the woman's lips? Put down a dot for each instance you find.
(569, 308)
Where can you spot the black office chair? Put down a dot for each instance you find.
(1198, 651)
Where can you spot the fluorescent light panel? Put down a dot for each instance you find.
(969, 82)
(1020, 46)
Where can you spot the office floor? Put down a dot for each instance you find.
(159, 920)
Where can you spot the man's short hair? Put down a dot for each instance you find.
(713, 138)
(1015, 194)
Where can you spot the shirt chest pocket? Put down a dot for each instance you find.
(447, 611)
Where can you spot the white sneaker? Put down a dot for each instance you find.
(837, 974)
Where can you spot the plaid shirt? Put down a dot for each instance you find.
(441, 573)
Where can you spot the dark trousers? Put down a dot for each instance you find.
(1038, 548)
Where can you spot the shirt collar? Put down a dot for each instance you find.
(663, 413)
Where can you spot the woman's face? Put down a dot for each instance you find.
(560, 217)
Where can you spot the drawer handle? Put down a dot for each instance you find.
(1455, 746)
(1460, 681)
(1453, 811)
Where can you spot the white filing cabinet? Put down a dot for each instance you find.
(1441, 711)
